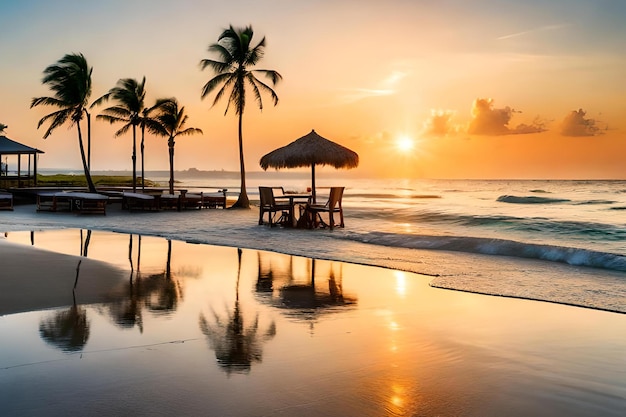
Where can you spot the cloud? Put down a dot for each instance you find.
(487, 120)
(575, 124)
(387, 88)
(532, 31)
(394, 78)
(440, 123)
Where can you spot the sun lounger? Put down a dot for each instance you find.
(72, 201)
(88, 203)
(169, 201)
(139, 201)
(214, 200)
(6, 201)
(191, 201)
(54, 201)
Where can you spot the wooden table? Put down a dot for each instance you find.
(294, 199)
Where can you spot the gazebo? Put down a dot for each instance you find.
(10, 147)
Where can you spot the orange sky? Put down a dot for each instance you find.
(485, 89)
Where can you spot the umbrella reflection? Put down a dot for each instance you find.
(281, 286)
(236, 345)
(159, 293)
(67, 330)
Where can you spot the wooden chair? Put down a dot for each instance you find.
(269, 205)
(332, 206)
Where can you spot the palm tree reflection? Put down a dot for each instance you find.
(236, 345)
(159, 292)
(67, 330)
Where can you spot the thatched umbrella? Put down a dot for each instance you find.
(310, 150)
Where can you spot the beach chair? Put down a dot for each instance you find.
(332, 206)
(268, 204)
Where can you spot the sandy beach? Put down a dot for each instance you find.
(35, 279)
(267, 333)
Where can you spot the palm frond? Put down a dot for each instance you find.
(266, 88)
(100, 100)
(256, 53)
(190, 131)
(274, 76)
(118, 111)
(255, 89)
(214, 82)
(123, 129)
(47, 101)
(110, 118)
(58, 118)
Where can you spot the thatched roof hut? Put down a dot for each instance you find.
(310, 150)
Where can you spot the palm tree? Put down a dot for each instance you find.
(130, 96)
(2, 127)
(236, 56)
(173, 120)
(147, 121)
(70, 80)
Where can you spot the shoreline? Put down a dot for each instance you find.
(460, 271)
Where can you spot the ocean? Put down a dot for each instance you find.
(553, 240)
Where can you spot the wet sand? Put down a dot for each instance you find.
(36, 279)
(206, 330)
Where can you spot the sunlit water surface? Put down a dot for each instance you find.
(190, 329)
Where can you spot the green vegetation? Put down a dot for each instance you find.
(64, 180)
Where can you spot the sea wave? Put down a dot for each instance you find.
(548, 227)
(589, 202)
(390, 196)
(501, 247)
(530, 200)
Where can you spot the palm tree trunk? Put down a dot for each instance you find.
(143, 134)
(134, 158)
(170, 144)
(92, 187)
(242, 201)
(88, 140)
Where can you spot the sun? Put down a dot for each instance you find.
(405, 143)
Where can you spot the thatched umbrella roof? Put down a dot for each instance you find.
(310, 150)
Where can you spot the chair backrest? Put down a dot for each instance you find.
(335, 196)
(278, 191)
(266, 195)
